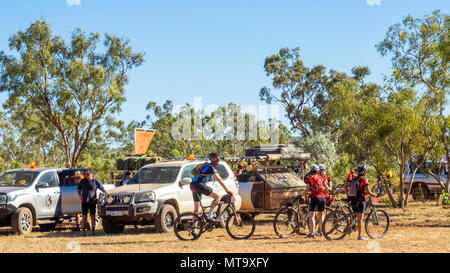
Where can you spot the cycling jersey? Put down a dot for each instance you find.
(316, 185)
(361, 192)
(204, 173)
(326, 179)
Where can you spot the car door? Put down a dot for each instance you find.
(185, 199)
(71, 203)
(48, 195)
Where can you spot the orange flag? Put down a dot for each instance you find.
(142, 139)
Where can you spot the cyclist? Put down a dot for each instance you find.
(315, 183)
(240, 169)
(198, 185)
(327, 179)
(358, 191)
(350, 176)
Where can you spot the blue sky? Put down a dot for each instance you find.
(216, 49)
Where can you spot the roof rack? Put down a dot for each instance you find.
(269, 157)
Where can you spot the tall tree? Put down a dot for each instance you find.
(69, 87)
(420, 50)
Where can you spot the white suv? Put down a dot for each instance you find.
(158, 193)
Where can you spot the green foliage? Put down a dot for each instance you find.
(321, 148)
(61, 93)
(445, 198)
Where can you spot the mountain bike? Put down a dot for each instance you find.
(382, 186)
(342, 221)
(293, 218)
(239, 224)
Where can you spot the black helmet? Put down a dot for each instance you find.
(361, 169)
(213, 155)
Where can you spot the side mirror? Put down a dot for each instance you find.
(42, 185)
(185, 181)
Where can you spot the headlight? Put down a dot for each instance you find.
(126, 199)
(3, 198)
(144, 197)
(101, 198)
(109, 200)
(11, 197)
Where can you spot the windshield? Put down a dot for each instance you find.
(17, 179)
(155, 175)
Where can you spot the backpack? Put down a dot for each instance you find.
(354, 186)
(198, 169)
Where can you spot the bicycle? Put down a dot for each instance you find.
(293, 218)
(382, 186)
(239, 224)
(338, 223)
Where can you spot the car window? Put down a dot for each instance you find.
(71, 177)
(223, 172)
(17, 179)
(155, 175)
(187, 171)
(49, 178)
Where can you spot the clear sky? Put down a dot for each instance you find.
(215, 49)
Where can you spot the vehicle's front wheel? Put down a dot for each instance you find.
(22, 221)
(165, 220)
(112, 227)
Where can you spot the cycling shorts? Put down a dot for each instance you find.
(199, 188)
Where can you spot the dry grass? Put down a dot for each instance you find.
(424, 227)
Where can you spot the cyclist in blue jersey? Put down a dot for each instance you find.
(198, 184)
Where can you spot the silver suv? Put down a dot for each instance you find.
(157, 194)
(41, 196)
(424, 185)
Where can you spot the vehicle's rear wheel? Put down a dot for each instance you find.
(112, 227)
(420, 192)
(165, 220)
(22, 221)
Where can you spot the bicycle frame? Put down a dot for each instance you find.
(219, 206)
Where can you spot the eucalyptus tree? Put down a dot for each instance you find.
(68, 87)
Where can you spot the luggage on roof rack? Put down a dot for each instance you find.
(262, 150)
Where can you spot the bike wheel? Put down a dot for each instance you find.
(286, 222)
(377, 223)
(336, 225)
(303, 221)
(188, 227)
(240, 225)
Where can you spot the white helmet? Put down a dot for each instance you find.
(322, 167)
(314, 168)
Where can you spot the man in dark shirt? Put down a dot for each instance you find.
(87, 191)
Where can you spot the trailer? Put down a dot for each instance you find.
(267, 184)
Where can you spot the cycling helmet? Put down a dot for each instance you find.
(314, 168)
(361, 169)
(389, 174)
(322, 167)
(213, 155)
(240, 166)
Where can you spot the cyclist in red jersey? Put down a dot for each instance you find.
(327, 179)
(358, 199)
(316, 185)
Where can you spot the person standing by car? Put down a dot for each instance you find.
(315, 183)
(359, 190)
(87, 191)
(327, 179)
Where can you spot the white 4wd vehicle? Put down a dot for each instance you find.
(158, 193)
